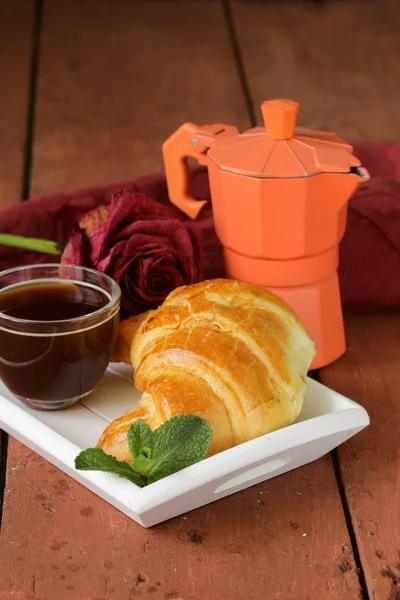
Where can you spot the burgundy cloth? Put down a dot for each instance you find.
(369, 268)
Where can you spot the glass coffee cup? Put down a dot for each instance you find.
(58, 327)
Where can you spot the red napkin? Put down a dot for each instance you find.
(369, 265)
(369, 251)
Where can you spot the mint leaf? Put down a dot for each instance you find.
(178, 443)
(142, 465)
(140, 440)
(95, 459)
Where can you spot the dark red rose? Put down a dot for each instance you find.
(142, 244)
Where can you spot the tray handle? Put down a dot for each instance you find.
(246, 476)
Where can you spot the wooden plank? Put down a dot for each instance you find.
(16, 28)
(103, 110)
(370, 462)
(340, 62)
(281, 539)
(115, 82)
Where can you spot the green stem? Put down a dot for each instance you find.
(19, 241)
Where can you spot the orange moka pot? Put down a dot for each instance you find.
(279, 197)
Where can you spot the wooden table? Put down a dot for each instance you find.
(89, 90)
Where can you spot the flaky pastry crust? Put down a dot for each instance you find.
(229, 352)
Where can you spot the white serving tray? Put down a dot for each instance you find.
(327, 420)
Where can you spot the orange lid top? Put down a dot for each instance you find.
(281, 150)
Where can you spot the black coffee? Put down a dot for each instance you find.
(61, 364)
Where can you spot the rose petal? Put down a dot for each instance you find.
(76, 251)
(93, 226)
(126, 207)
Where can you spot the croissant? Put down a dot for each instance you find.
(229, 352)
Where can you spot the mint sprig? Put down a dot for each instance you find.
(175, 445)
